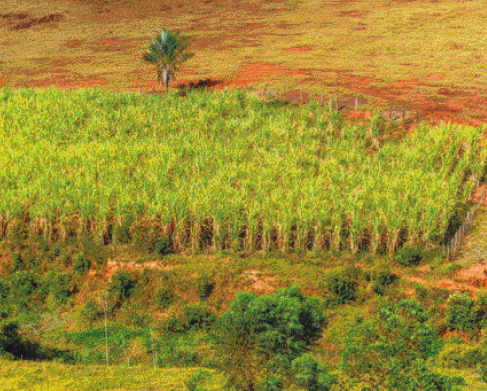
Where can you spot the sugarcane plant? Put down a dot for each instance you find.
(166, 53)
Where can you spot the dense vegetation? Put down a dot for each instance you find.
(102, 177)
(199, 170)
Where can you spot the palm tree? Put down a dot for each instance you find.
(166, 53)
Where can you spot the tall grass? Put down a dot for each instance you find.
(251, 176)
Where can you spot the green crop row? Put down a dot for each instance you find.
(227, 171)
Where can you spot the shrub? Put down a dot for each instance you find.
(381, 279)
(122, 285)
(122, 233)
(81, 263)
(198, 317)
(310, 374)
(4, 290)
(90, 312)
(134, 315)
(459, 356)
(462, 312)
(163, 297)
(62, 288)
(483, 372)
(271, 383)
(408, 256)
(344, 284)
(261, 336)
(16, 263)
(194, 383)
(204, 287)
(392, 348)
(23, 284)
(161, 246)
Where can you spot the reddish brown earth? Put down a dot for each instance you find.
(448, 104)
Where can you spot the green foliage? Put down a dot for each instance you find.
(463, 312)
(81, 263)
(259, 336)
(454, 355)
(166, 52)
(310, 374)
(205, 286)
(90, 312)
(482, 368)
(122, 285)
(195, 381)
(198, 317)
(123, 233)
(161, 246)
(344, 284)
(271, 383)
(408, 256)
(134, 315)
(62, 287)
(23, 285)
(390, 350)
(10, 338)
(381, 279)
(163, 297)
(4, 289)
(22, 261)
(13, 346)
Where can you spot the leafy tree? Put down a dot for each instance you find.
(390, 351)
(122, 285)
(261, 336)
(463, 312)
(166, 52)
(310, 374)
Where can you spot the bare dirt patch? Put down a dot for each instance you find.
(260, 283)
(35, 21)
(221, 22)
(475, 276)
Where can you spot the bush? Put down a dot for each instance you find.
(135, 316)
(163, 297)
(122, 285)
(23, 285)
(198, 317)
(16, 263)
(460, 356)
(463, 313)
(483, 372)
(381, 279)
(194, 383)
(261, 336)
(392, 348)
(122, 233)
(344, 284)
(81, 263)
(62, 288)
(310, 374)
(161, 246)
(271, 383)
(90, 312)
(204, 287)
(408, 256)
(4, 290)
